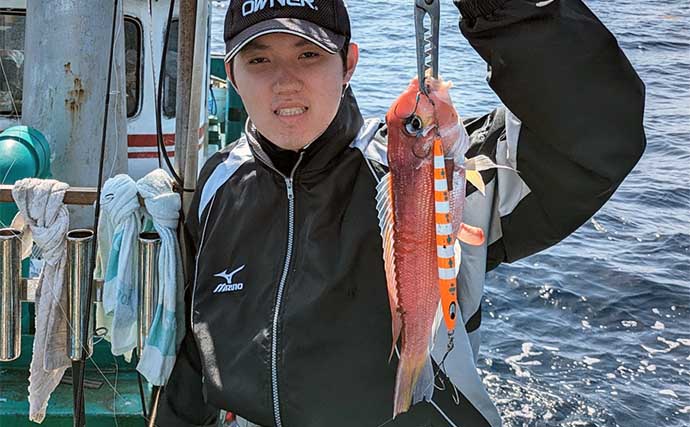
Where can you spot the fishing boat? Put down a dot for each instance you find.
(40, 135)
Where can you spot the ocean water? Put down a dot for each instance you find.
(596, 330)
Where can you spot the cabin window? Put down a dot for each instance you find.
(11, 63)
(170, 77)
(133, 53)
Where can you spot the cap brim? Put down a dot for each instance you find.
(325, 39)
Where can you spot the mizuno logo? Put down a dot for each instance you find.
(228, 286)
(253, 6)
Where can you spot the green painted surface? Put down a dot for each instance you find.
(103, 405)
(235, 114)
(218, 66)
(24, 153)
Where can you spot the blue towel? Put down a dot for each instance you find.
(118, 230)
(167, 329)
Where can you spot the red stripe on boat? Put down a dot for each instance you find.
(153, 154)
(151, 140)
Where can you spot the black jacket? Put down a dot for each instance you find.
(287, 300)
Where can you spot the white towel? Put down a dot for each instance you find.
(41, 205)
(118, 230)
(167, 328)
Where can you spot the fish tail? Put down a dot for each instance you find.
(413, 383)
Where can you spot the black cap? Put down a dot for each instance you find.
(322, 22)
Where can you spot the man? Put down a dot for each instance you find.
(289, 316)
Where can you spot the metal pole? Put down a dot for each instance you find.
(193, 15)
(10, 304)
(79, 310)
(155, 397)
(149, 247)
(196, 96)
(185, 59)
(79, 256)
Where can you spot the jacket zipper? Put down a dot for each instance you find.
(289, 181)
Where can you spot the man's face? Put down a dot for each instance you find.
(290, 87)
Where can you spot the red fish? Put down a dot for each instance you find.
(420, 203)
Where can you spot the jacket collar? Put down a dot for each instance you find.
(318, 155)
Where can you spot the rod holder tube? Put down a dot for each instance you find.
(79, 256)
(149, 249)
(10, 304)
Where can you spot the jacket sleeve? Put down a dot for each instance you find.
(182, 402)
(573, 122)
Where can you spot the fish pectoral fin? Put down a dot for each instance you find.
(471, 235)
(475, 178)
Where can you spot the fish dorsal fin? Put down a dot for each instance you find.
(384, 206)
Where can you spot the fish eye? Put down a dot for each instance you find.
(413, 125)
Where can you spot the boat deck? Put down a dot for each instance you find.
(101, 401)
